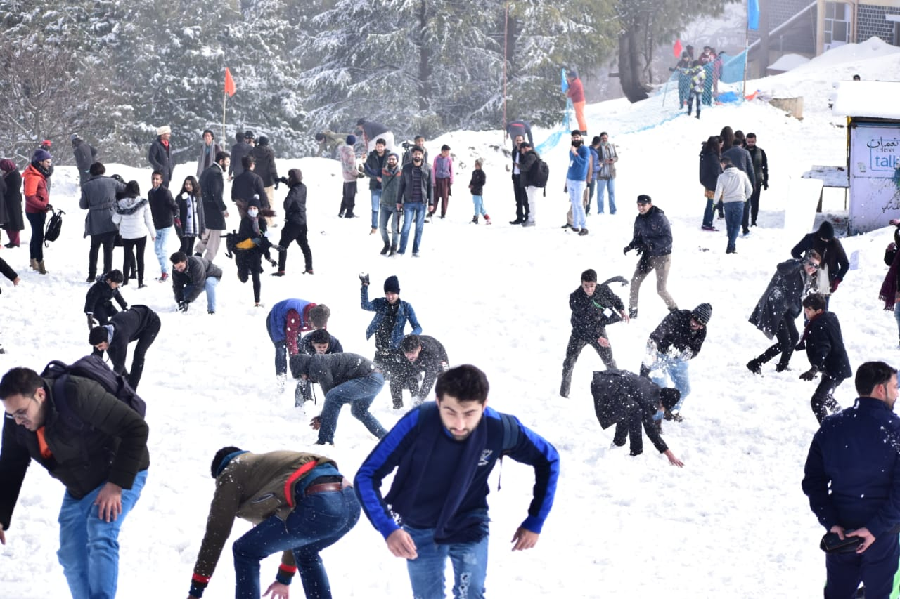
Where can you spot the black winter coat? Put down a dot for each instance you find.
(13, 196)
(589, 319)
(710, 169)
(620, 394)
(100, 294)
(675, 331)
(781, 299)
(831, 251)
(331, 370)
(825, 346)
(251, 258)
(373, 167)
(527, 162)
(161, 159)
(295, 205)
(112, 447)
(85, 156)
(760, 165)
(162, 207)
(404, 195)
(238, 151)
(431, 361)
(245, 186)
(197, 229)
(265, 164)
(212, 185)
(742, 160)
(129, 325)
(334, 346)
(653, 233)
(476, 183)
(197, 271)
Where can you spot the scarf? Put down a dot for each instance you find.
(254, 223)
(889, 286)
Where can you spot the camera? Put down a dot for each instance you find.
(407, 145)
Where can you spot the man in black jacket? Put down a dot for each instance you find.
(344, 378)
(94, 444)
(414, 194)
(266, 169)
(631, 402)
(212, 185)
(98, 306)
(247, 185)
(85, 156)
(834, 264)
(193, 275)
(238, 151)
(138, 323)
(518, 188)
(528, 159)
(761, 170)
(164, 211)
(424, 356)
(653, 241)
(826, 353)
(593, 307)
(294, 222)
(676, 340)
(375, 162)
(161, 156)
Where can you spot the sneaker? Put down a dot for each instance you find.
(210, 312)
(259, 305)
(745, 232)
(708, 228)
(782, 367)
(142, 285)
(487, 219)
(90, 279)
(279, 273)
(574, 230)
(308, 271)
(754, 366)
(10, 245)
(582, 232)
(340, 215)
(518, 221)
(474, 220)
(415, 254)
(566, 226)
(324, 443)
(632, 313)
(373, 231)
(163, 277)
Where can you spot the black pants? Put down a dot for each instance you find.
(244, 273)
(823, 402)
(144, 341)
(788, 337)
(134, 251)
(104, 312)
(694, 95)
(108, 242)
(187, 245)
(293, 232)
(521, 199)
(348, 200)
(573, 349)
(754, 203)
(404, 376)
(36, 246)
(388, 361)
(632, 428)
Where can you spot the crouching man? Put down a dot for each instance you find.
(424, 356)
(192, 276)
(631, 401)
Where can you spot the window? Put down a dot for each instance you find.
(836, 30)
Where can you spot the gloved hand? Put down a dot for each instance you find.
(183, 306)
(364, 279)
(627, 249)
(315, 423)
(834, 285)
(639, 249)
(809, 374)
(91, 321)
(277, 181)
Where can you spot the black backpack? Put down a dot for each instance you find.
(231, 241)
(94, 368)
(53, 227)
(539, 173)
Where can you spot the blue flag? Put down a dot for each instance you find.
(563, 85)
(753, 15)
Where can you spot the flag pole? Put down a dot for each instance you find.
(505, 46)
(224, 104)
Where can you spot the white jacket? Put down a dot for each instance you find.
(133, 218)
(733, 185)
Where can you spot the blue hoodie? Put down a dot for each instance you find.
(578, 165)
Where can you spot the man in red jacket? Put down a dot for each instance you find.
(576, 94)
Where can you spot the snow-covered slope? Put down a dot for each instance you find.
(732, 523)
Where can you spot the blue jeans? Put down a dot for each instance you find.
(591, 187)
(576, 196)
(426, 572)
(376, 205)
(734, 212)
(667, 368)
(479, 205)
(606, 185)
(708, 213)
(162, 237)
(89, 546)
(414, 210)
(360, 393)
(389, 214)
(281, 358)
(210, 288)
(318, 521)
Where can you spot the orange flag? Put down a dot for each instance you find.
(229, 83)
(677, 49)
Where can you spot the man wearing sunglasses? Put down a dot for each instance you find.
(780, 306)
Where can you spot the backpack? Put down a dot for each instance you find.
(539, 173)
(231, 241)
(94, 368)
(53, 227)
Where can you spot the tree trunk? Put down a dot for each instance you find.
(424, 62)
(630, 67)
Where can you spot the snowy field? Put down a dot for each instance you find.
(732, 523)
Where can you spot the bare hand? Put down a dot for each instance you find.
(402, 545)
(278, 590)
(378, 179)
(624, 316)
(867, 537)
(2, 536)
(399, 207)
(109, 500)
(603, 341)
(226, 214)
(524, 539)
(839, 530)
(315, 423)
(673, 460)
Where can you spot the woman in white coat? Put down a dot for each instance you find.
(135, 224)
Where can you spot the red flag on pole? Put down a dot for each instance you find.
(229, 83)
(678, 49)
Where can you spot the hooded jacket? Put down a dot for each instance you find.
(265, 164)
(37, 196)
(295, 205)
(101, 293)
(733, 186)
(134, 218)
(675, 332)
(831, 251)
(710, 169)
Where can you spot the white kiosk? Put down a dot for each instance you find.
(873, 151)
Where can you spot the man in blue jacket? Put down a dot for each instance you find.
(576, 179)
(388, 323)
(444, 452)
(852, 479)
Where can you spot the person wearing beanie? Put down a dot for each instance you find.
(11, 187)
(298, 504)
(137, 323)
(653, 241)
(37, 204)
(390, 198)
(827, 355)
(98, 197)
(295, 228)
(389, 323)
(350, 174)
(593, 307)
(632, 402)
(834, 264)
(161, 156)
(135, 221)
(252, 246)
(208, 150)
(672, 344)
(267, 171)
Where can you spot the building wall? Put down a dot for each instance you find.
(870, 22)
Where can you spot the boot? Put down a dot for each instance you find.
(41, 268)
(385, 249)
(475, 220)
(754, 366)
(34, 264)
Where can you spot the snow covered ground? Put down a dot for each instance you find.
(732, 523)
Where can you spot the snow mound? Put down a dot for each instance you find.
(788, 62)
(873, 47)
